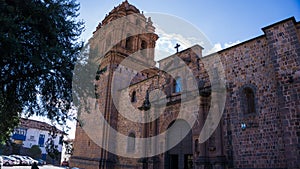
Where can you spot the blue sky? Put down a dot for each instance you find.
(223, 22)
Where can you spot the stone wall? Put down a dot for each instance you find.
(284, 50)
(266, 137)
(270, 139)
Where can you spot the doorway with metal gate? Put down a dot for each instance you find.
(179, 137)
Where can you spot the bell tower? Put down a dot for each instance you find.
(127, 31)
(124, 32)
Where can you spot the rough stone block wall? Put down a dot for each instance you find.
(260, 144)
(270, 138)
(284, 44)
(84, 149)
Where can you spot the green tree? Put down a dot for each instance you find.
(38, 49)
(69, 147)
(52, 149)
(35, 151)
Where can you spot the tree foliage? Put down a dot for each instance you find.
(52, 149)
(38, 49)
(35, 151)
(69, 147)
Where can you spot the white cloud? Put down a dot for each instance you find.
(216, 47)
(167, 41)
(227, 45)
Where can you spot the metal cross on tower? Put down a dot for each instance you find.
(177, 46)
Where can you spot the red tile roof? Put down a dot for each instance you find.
(28, 123)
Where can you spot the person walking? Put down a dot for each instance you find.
(34, 166)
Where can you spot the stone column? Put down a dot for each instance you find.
(219, 161)
(202, 161)
(145, 107)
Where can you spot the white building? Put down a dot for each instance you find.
(32, 132)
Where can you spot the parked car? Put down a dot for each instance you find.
(1, 162)
(41, 162)
(21, 159)
(31, 160)
(25, 160)
(7, 161)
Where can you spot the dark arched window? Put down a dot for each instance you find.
(129, 41)
(177, 85)
(196, 146)
(249, 100)
(131, 142)
(133, 96)
(143, 48)
(144, 44)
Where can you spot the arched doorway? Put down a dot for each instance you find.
(180, 156)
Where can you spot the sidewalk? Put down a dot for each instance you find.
(29, 167)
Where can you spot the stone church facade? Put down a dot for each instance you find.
(259, 127)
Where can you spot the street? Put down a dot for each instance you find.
(29, 167)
